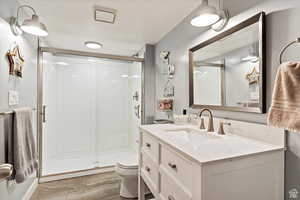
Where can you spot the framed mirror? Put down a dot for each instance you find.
(227, 72)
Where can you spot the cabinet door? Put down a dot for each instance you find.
(170, 190)
(178, 166)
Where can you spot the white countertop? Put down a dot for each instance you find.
(207, 147)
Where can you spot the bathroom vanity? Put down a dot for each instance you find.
(182, 162)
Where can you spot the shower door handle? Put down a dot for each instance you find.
(137, 111)
(44, 114)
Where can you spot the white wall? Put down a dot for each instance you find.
(135, 81)
(112, 105)
(25, 86)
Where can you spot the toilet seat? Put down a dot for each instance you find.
(129, 163)
(122, 166)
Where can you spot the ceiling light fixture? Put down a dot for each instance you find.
(93, 45)
(210, 16)
(32, 26)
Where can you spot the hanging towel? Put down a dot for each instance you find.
(285, 108)
(22, 149)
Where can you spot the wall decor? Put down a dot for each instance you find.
(165, 104)
(253, 76)
(164, 55)
(168, 89)
(171, 70)
(16, 61)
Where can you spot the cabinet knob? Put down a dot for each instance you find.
(170, 197)
(173, 166)
(148, 145)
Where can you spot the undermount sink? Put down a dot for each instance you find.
(191, 131)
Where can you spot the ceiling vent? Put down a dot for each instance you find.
(106, 15)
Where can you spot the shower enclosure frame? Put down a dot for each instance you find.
(40, 105)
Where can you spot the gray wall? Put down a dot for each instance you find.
(185, 36)
(26, 87)
(282, 27)
(148, 86)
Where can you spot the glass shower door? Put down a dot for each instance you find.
(91, 116)
(68, 132)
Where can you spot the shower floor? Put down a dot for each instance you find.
(84, 162)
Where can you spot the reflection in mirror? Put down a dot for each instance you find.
(213, 74)
(227, 71)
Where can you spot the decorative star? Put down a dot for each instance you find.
(253, 76)
(16, 61)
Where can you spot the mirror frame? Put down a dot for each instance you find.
(260, 19)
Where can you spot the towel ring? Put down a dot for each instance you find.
(285, 47)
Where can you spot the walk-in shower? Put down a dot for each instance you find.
(90, 110)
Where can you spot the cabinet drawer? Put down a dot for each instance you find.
(150, 146)
(149, 171)
(169, 190)
(178, 166)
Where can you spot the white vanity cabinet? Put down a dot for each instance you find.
(172, 174)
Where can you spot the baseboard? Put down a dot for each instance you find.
(31, 190)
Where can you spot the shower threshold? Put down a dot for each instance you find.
(58, 169)
(79, 173)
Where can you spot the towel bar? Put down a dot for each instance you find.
(285, 47)
(5, 171)
(10, 112)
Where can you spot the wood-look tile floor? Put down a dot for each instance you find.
(95, 187)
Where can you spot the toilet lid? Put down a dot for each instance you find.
(129, 162)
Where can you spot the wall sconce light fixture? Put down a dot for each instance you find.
(32, 25)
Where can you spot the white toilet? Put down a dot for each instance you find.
(128, 171)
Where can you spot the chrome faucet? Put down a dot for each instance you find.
(210, 126)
